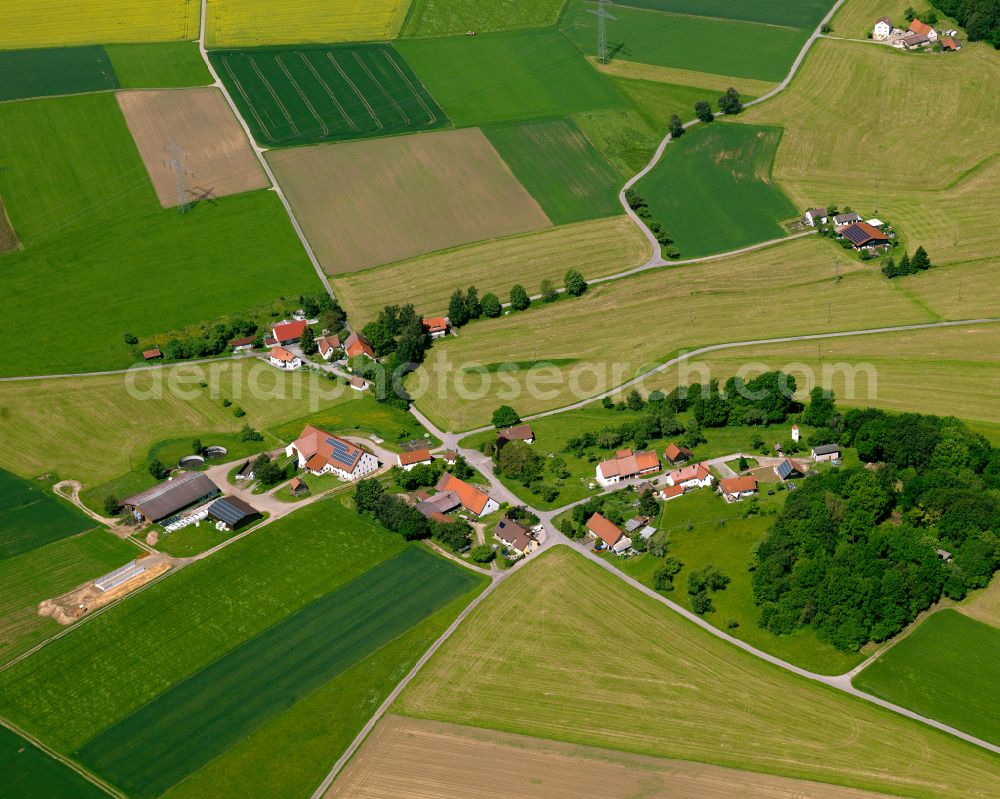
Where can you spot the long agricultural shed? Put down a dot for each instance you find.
(174, 495)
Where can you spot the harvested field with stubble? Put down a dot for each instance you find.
(363, 204)
(210, 142)
(953, 371)
(683, 77)
(674, 691)
(959, 186)
(596, 248)
(236, 23)
(41, 23)
(658, 314)
(404, 757)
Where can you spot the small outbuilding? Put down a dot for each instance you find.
(675, 454)
(152, 354)
(520, 432)
(826, 452)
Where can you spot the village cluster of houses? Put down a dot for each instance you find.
(685, 477)
(917, 35)
(863, 235)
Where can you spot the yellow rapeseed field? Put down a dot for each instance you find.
(46, 23)
(241, 23)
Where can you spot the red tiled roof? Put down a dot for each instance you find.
(356, 345)
(153, 353)
(270, 341)
(520, 432)
(696, 471)
(738, 485)
(289, 331)
(436, 324)
(472, 498)
(241, 342)
(281, 354)
(949, 44)
(628, 464)
(604, 529)
(669, 492)
(327, 448)
(919, 27)
(327, 343)
(414, 456)
(672, 452)
(359, 382)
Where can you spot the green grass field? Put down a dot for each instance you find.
(621, 135)
(794, 13)
(597, 663)
(31, 517)
(704, 529)
(658, 101)
(177, 627)
(198, 719)
(56, 70)
(453, 17)
(319, 727)
(97, 429)
(562, 170)
(701, 44)
(30, 773)
(164, 65)
(27, 579)
(946, 669)
(95, 237)
(505, 77)
(307, 95)
(662, 313)
(713, 190)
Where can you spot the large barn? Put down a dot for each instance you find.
(173, 496)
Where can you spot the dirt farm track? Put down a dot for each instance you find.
(415, 759)
(212, 147)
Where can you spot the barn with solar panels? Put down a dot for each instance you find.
(233, 512)
(324, 453)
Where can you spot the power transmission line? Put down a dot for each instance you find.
(180, 171)
(602, 30)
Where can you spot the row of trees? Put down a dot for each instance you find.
(980, 18)
(464, 307)
(638, 204)
(907, 266)
(853, 553)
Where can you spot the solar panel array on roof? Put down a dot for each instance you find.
(343, 453)
(233, 511)
(784, 469)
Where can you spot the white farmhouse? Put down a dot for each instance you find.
(882, 29)
(325, 453)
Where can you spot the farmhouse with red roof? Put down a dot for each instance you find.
(289, 332)
(626, 465)
(324, 453)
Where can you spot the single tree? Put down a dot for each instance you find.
(131, 340)
(112, 507)
(904, 267)
(197, 447)
(367, 495)
(505, 416)
(519, 299)
(730, 102)
(575, 284)
(308, 342)
(482, 553)
(891, 269)
(548, 291)
(157, 469)
(634, 400)
(518, 461)
(491, 305)
(676, 127)
(920, 260)
(249, 434)
(458, 309)
(703, 111)
(473, 307)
